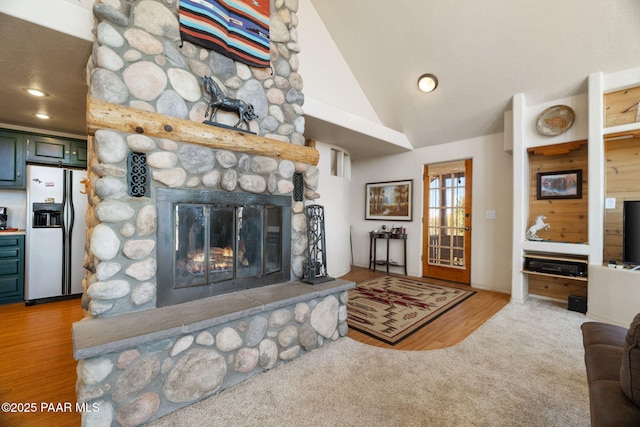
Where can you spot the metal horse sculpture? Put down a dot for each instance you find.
(219, 100)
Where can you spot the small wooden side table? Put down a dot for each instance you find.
(373, 244)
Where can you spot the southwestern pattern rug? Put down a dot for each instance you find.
(391, 308)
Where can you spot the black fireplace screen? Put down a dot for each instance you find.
(211, 243)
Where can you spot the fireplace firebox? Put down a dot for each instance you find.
(214, 242)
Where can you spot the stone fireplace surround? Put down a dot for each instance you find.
(138, 362)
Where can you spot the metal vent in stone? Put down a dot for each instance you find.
(138, 174)
(298, 187)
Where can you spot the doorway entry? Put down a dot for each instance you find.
(446, 240)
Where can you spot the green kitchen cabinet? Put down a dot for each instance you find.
(11, 268)
(12, 161)
(52, 150)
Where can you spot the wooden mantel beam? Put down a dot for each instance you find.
(105, 115)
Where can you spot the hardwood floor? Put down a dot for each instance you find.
(448, 329)
(37, 366)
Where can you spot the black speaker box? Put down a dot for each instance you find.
(578, 303)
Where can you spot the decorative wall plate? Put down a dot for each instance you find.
(555, 120)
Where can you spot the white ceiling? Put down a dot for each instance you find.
(483, 53)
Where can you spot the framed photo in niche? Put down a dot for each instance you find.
(559, 185)
(391, 200)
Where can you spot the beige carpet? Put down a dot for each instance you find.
(523, 367)
(391, 308)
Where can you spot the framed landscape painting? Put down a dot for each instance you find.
(389, 200)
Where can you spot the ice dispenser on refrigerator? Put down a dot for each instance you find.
(47, 215)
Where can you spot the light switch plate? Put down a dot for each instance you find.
(610, 203)
(490, 214)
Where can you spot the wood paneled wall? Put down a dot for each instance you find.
(568, 218)
(622, 183)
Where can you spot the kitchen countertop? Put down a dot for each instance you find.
(11, 232)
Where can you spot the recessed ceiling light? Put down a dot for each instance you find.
(43, 116)
(427, 83)
(35, 92)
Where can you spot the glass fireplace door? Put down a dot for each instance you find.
(203, 244)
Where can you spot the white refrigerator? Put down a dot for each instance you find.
(55, 234)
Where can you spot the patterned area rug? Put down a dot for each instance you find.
(391, 308)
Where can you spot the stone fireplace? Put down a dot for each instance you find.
(195, 242)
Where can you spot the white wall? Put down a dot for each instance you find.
(327, 77)
(335, 196)
(492, 190)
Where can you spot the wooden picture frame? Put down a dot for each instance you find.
(390, 200)
(559, 185)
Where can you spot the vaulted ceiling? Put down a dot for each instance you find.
(482, 53)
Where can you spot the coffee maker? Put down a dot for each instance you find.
(3, 219)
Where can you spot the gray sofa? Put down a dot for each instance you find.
(612, 359)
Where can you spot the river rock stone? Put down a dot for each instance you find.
(196, 159)
(110, 13)
(106, 85)
(157, 19)
(95, 370)
(288, 336)
(106, 270)
(308, 337)
(111, 146)
(107, 35)
(138, 249)
(171, 104)
(246, 359)
(107, 58)
(110, 187)
(228, 340)
(278, 31)
(145, 80)
(136, 378)
(146, 220)
(226, 159)
(162, 160)
(141, 143)
(286, 168)
(252, 183)
(143, 41)
(170, 177)
(324, 317)
(103, 169)
(143, 294)
(104, 243)
(279, 318)
(100, 418)
(198, 373)
(285, 187)
(289, 353)
(181, 345)
(212, 178)
(185, 84)
(112, 289)
(114, 211)
(263, 165)
(229, 180)
(205, 338)
(268, 350)
(143, 270)
(256, 331)
(301, 312)
(138, 410)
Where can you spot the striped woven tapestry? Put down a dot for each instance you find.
(238, 29)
